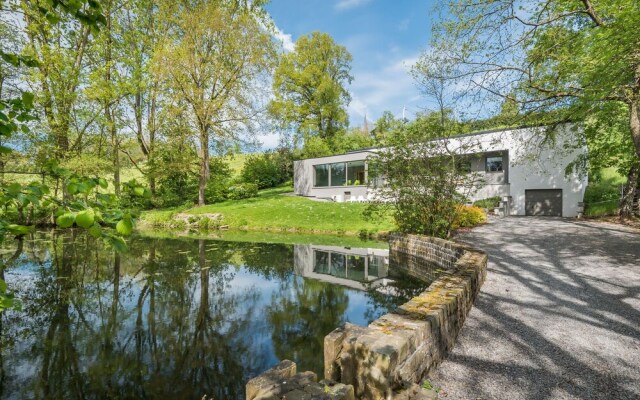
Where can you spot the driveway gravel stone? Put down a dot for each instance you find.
(557, 318)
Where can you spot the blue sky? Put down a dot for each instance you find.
(384, 37)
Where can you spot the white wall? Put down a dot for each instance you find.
(303, 176)
(532, 164)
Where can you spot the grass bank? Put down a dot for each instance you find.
(265, 237)
(273, 211)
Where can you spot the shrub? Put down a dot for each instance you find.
(490, 202)
(422, 183)
(217, 189)
(176, 174)
(261, 170)
(268, 169)
(469, 216)
(243, 191)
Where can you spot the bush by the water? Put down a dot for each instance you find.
(242, 191)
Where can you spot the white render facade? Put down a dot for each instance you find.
(517, 165)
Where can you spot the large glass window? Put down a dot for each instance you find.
(494, 164)
(355, 173)
(322, 175)
(338, 174)
(322, 262)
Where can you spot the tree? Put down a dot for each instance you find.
(423, 175)
(60, 69)
(140, 34)
(212, 59)
(385, 126)
(564, 56)
(309, 87)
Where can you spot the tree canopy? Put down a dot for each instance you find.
(573, 58)
(309, 85)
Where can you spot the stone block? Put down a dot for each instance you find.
(332, 348)
(270, 380)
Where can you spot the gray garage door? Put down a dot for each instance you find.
(547, 202)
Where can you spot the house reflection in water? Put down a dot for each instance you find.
(357, 268)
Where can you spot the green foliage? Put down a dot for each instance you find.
(489, 203)
(135, 195)
(315, 146)
(175, 170)
(353, 139)
(419, 179)
(468, 217)
(602, 196)
(571, 60)
(243, 191)
(217, 189)
(385, 127)
(309, 85)
(268, 169)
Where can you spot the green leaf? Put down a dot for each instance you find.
(125, 226)
(18, 229)
(10, 58)
(27, 100)
(138, 191)
(85, 218)
(103, 183)
(5, 150)
(117, 243)
(95, 230)
(65, 220)
(72, 188)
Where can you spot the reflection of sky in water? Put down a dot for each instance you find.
(251, 323)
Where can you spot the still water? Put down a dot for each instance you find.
(178, 318)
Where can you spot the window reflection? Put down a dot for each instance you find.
(356, 267)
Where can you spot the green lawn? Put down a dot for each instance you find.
(273, 211)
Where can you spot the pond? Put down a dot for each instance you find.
(179, 317)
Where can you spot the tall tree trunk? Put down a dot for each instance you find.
(109, 111)
(116, 157)
(630, 189)
(152, 132)
(204, 165)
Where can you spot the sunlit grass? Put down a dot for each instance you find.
(272, 210)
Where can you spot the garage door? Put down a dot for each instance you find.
(547, 202)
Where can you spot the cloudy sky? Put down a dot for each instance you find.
(384, 37)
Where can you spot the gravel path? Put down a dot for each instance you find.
(557, 318)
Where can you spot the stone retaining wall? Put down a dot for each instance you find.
(389, 357)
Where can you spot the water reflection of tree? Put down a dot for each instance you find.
(301, 314)
(4, 264)
(167, 330)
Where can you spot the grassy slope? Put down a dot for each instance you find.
(602, 198)
(268, 237)
(272, 211)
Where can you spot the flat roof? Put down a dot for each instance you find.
(485, 132)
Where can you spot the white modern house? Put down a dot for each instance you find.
(517, 165)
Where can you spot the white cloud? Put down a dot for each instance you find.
(269, 141)
(389, 87)
(347, 4)
(284, 38)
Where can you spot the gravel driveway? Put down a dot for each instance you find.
(557, 318)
